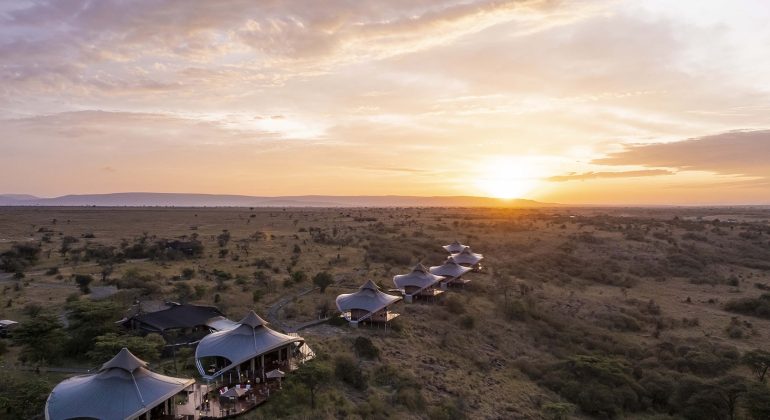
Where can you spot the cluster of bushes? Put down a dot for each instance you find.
(331, 236)
(759, 307)
(162, 249)
(609, 387)
(147, 284)
(607, 377)
(402, 251)
(19, 257)
(22, 396)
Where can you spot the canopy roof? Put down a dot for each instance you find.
(275, 373)
(450, 269)
(466, 256)
(234, 392)
(420, 277)
(7, 323)
(250, 338)
(177, 316)
(221, 323)
(368, 298)
(454, 247)
(122, 389)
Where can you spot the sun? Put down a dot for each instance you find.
(508, 177)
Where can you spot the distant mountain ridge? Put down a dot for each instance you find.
(143, 199)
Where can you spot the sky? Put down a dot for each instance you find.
(636, 102)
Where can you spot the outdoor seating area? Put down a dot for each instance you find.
(242, 365)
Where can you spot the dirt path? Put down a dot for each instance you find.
(272, 311)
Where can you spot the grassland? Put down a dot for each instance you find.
(579, 313)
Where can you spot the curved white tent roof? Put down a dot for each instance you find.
(450, 269)
(466, 256)
(420, 277)
(249, 339)
(122, 389)
(368, 297)
(221, 323)
(454, 247)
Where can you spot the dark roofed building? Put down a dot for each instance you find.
(178, 324)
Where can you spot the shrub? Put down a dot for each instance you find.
(467, 322)
(557, 410)
(83, 281)
(19, 257)
(515, 310)
(603, 387)
(22, 396)
(759, 307)
(346, 370)
(454, 305)
(365, 349)
(758, 402)
(108, 345)
(256, 295)
(298, 276)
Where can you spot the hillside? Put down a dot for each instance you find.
(143, 199)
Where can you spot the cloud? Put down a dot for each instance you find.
(163, 45)
(595, 175)
(745, 153)
(397, 169)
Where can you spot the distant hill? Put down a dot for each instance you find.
(141, 199)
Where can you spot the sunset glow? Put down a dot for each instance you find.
(622, 102)
(508, 178)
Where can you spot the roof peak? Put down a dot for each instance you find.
(371, 285)
(124, 360)
(253, 320)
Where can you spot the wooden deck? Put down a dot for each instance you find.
(205, 402)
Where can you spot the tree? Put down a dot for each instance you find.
(730, 389)
(107, 269)
(22, 397)
(759, 362)
(323, 280)
(758, 401)
(147, 348)
(88, 320)
(313, 376)
(83, 281)
(41, 336)
(66, 244)
(223, 238)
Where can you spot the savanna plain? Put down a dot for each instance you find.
(640, 313)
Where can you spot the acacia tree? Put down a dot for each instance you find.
(314, 377)
(42, 337)
(759, 362)
(323, 280)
